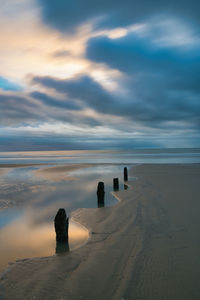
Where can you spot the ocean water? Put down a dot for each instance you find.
(110, 157)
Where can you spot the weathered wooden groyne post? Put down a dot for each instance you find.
(100, 194)
(125, 174)
(100, 204)
(61, 223)
(62, 247)
(115, 184)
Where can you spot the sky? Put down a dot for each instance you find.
(99, 74)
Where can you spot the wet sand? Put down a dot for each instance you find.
(59, 173)
(52, 174)
(4, 166)
(4, 171)
(145, 247)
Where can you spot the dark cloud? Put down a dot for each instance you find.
(33, 143)
(163, 82)
(38, 107)
(144, 114)
(67, 15)
(50, 101)
(135, 54)
(83, 88)
(149, 104)
(17, 109)
(162, 62)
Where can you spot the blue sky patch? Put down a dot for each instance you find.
(7, 85)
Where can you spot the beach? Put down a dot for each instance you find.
(144, 247)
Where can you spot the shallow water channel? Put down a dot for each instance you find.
(29, 202)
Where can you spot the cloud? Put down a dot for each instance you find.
(33, 109)
(162, 82)
(82, 88)
(16, 108)
(171, 32)
(105, 73)
(36, 48)
(149, 103)
(67, 16)
(117, 122)
(61, 53)
(52, 101)
(135, 53)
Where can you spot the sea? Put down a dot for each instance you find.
(189, 155)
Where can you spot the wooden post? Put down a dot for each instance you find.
(61, 223)
(115, 184)
(100, 204)
(125, 174)
(62, 247)
(100, 194)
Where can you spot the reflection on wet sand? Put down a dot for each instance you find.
(27, 228)
(58, 173)
(125, 187)
(4, 171)
(20, 240)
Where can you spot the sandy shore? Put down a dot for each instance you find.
(145, 247)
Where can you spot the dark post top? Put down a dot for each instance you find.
(100, 188)
(125, 174)
(61, 223)
(115, 184)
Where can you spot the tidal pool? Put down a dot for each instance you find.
(30, 201)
